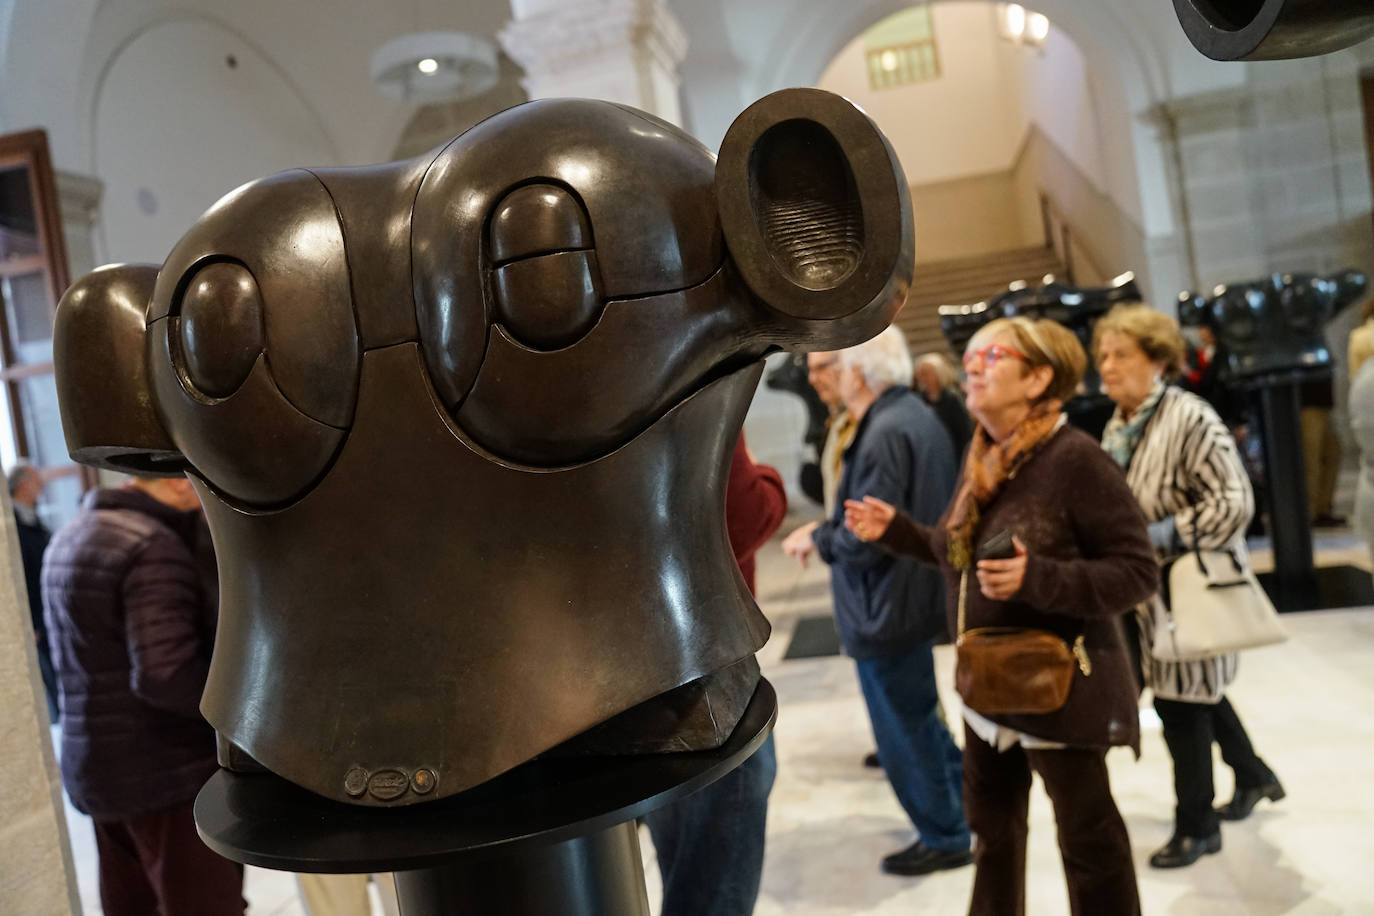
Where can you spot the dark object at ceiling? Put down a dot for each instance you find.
(1275, 324)
(1274, 29)
(461, 426)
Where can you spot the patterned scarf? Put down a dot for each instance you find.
(987, 467)
(1121, 436)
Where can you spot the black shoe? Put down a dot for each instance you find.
(1185, 850)
(1244, 801)
(1328, 520)
(872, 762)
(920, 859)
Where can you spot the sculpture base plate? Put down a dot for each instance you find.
(263, 820)
(1322, 588)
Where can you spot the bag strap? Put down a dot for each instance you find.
(963, 591)
(1196, 548)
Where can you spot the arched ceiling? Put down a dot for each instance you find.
(57, 53)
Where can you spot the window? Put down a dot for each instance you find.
(901, 50)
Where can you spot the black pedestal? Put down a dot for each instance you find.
(1296, 584)
(550, 837)
(1289, 526)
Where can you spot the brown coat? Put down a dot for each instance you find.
(1089, 563)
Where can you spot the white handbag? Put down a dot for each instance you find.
(1213, 604)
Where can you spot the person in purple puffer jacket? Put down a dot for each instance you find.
(130, 626)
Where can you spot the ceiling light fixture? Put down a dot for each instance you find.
(430, 67)
(1022, 26)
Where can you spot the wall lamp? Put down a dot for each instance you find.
(1022, 26)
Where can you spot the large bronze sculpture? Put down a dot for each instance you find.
(461, 425)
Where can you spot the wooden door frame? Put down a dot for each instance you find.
(30, 149)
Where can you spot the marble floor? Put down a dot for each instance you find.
(1309, 706)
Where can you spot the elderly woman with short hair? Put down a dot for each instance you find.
(1082, 560)
(1182, 465)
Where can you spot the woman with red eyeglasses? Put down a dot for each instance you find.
(1081, 558)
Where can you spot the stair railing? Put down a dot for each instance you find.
(1060, 237)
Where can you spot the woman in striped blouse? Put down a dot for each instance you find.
(1182, 465)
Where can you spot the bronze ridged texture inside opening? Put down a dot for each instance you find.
(807, 203)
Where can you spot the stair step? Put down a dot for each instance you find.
(981, 260)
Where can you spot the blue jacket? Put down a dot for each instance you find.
(887, 605)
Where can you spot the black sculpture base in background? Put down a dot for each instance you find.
(1326, 588)
(554, 836)
(1296, 584)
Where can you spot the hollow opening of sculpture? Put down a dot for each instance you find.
(1231, 15)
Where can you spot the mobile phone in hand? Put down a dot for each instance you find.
(997, 547)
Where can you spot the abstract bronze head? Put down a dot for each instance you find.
(461, 426)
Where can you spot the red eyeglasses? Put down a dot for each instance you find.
(991, 354)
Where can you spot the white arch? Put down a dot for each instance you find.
(101, 58)
(1114, 40)
(1102, 29)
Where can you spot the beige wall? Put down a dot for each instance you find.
(1001, 211)
(965, 123)
(969, 216)
(1105, 239)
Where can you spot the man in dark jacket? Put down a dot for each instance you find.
(131, 635)
(889, 610)
(26, 485)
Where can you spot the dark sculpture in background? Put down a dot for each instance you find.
(461, 426)
(1274, 29)
(790, 375)
(1075, 307)
(1275, 324)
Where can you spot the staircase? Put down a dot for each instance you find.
(964, 281)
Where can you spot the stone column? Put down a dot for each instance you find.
(78, 198)
(629, 51)
(619, 50)
(36, 873)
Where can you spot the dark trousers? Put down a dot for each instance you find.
(1092, 836)
(49, 675)
(710, 844)
(1189, 730)
(919, 756)
(156, 865)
